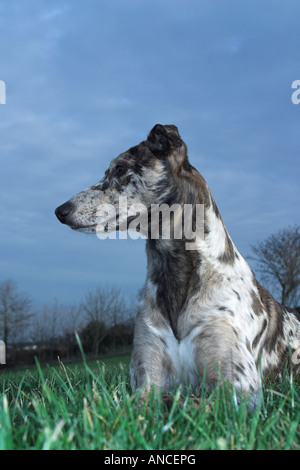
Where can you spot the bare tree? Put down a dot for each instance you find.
(46, 324)
(72, 323)
(15, 312)
(55, 320)
(278, 259)
(72, 315)
(103, 308)
(53, 330)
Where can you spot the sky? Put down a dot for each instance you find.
(86, 80)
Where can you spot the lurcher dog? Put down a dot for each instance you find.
(203, 311)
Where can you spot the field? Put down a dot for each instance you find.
(89, 405)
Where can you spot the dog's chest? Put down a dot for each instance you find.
(181, 355)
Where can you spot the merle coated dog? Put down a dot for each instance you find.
(203, 311)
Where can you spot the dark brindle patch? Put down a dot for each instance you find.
(228, 256)
(275, 314)
(256, 303)
(237, 294)
(240, 368)
(140, 157)
(172, 291)
(260, 334)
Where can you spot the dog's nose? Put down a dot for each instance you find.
(63, 211)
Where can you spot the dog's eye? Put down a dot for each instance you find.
(120, 170)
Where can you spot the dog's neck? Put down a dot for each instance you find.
(177, 273)
(173, 272)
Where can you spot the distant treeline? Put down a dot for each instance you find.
(103, 321)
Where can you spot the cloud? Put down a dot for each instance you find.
(86, 81)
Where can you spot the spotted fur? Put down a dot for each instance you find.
(203, 313)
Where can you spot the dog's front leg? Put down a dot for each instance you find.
(151, 365)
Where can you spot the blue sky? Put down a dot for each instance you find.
(88, 79)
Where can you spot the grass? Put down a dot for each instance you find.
(89, 405)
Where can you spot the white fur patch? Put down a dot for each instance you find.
(181, 354)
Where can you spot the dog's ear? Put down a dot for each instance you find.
(166, 143)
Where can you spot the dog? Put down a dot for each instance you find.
(203, 314)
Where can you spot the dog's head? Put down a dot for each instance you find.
(145, 174)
